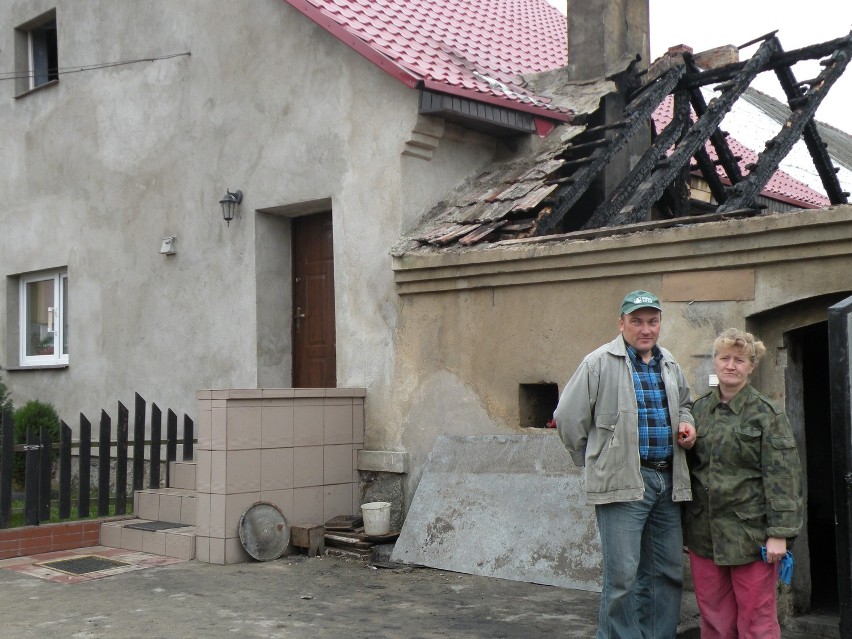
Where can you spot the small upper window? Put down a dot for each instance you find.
(37, 57)
(44, 319)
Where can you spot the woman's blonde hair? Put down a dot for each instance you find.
(735, 338)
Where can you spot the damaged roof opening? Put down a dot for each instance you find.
(558, 189)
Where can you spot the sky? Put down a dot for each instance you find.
(711, 24)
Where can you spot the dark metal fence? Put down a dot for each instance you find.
(41, 454)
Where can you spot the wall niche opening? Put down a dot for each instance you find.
(537, 403)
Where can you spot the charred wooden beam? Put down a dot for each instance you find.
(584, 146)
(649, 190)
(650, 160)
(744, 193)
(563, 180)
(637, 114)
(708, 171)
(778, 60)
(813, 141)
(765, 36)
(717, 138)
(676, 194)
(579, 161)
(680, 192)
(606, 127)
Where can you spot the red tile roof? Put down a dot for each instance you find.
(781, 187)
(478, 49)
(475, 49)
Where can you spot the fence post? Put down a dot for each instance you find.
(156, 417)
(45, 473)
(7, 457)
(121, 461)
(188, 435)
(139, 443)
(31, 476)
(104, 445)
(84, 509)
(171, 444)
(64, 470)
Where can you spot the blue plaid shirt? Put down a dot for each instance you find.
(655, 432)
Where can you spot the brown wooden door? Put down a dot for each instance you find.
(314, 346)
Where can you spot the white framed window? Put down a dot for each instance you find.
(36, 52)
(44, 319)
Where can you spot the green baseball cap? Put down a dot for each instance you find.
(639, 299)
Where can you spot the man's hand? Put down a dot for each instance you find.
(686, 435)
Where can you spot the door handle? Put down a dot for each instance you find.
(298, 317)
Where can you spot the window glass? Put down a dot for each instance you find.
(36, 53)
(44, 54)
(39, 319)
(44, 325)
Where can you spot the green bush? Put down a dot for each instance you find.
(5, 398)
(6, 405)
(32, 417)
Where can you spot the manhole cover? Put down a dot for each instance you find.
(155, 525)
(83, 565)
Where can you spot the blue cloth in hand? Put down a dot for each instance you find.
(785, 566)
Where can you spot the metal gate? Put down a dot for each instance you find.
(839, 348)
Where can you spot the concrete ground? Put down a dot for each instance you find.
(292, 597)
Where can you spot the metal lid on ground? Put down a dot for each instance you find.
(264, 532)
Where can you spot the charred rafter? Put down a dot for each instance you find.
(803, 109)
(531, 201)
(654, 157)
(637, 115)
(718, 139)
(650, 190)
(778, 61)
(816, 147)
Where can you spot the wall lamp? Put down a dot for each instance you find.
(229, 204)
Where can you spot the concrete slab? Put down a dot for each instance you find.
(508, 506)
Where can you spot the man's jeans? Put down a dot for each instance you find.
(642, 547)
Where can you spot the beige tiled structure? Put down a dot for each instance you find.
(295, 448)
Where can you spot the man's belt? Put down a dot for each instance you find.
(656, 465)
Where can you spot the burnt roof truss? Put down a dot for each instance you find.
(682, 146)
(803, 104)
(564, 188)
(586, 167)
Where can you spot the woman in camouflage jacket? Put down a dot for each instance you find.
(747, 493)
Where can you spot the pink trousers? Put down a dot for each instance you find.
(736, 602)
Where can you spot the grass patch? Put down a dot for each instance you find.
(16, 516)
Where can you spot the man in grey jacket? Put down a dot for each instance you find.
(616, 418)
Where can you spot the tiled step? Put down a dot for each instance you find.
(166, 504)
(178, 543)
(182, 475)
(175, 505)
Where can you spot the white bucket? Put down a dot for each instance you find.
(376, 518)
